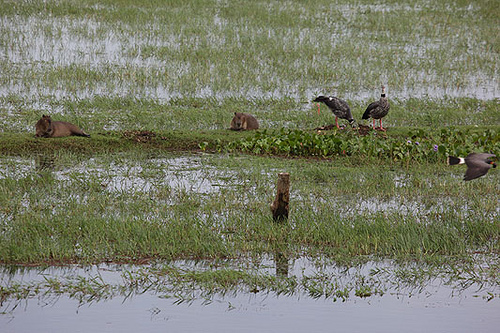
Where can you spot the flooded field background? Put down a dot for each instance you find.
(160, 55)
(385, 295)
(120, 66)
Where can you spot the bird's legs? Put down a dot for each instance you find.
(318, 108)
(336, 122)
(381, 128)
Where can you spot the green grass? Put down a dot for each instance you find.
(192, 281)
(127, 206)
(151, 79)
(157, 65)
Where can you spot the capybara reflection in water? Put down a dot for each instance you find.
(47, 128)
(244, 121)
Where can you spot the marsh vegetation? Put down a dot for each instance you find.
(163, 180)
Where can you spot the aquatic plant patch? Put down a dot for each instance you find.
(190, 281)
(419, 146)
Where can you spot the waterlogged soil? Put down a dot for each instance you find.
(188, 173)
(98, 45)
(440, 304)
(316, 294)
(201, 174)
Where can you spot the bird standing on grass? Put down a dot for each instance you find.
(378, 109)
(478, 164)
(339, 107)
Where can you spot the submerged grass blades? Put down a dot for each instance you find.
(190, 283)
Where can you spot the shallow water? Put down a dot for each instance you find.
(400, 300)
(190, 173)
(437, 307)
(47, 43)
(199, 174)
(259, 314)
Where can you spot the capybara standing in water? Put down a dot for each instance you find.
(244, 121)
(47, 128)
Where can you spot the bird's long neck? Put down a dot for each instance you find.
(383, 92)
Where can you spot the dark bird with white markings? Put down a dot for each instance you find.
(378, 109)
(339, 107)
(478, 164)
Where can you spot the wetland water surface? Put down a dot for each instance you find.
(433, 305)
(99, 44)
(271, 294)
(213, 176)
(122, 67)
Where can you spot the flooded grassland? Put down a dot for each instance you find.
(199, 230)
(114, 65)
(117, 232)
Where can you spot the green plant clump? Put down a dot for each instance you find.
(419, 146)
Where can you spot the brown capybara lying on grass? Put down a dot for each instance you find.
(47, 128)
(244, 121)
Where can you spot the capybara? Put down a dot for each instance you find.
(47, 128)
(244, 121)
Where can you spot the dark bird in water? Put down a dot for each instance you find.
(378, 109)
(478, 164)
(339, 107)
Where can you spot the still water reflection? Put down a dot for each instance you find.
(434, 304)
